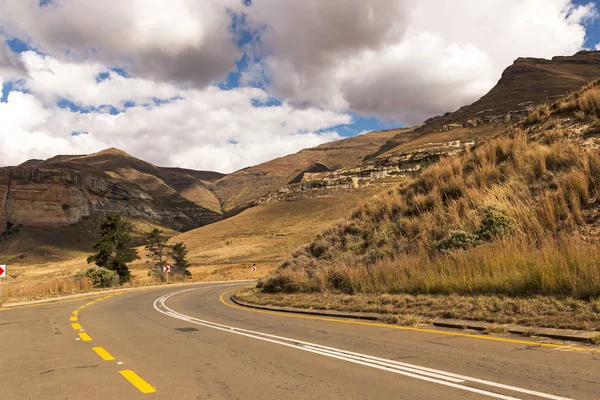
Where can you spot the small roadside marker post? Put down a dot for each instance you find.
(166, 270)
(2, 275)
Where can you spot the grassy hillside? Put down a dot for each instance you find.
(265, 234)
(239, 189)
(42, 261)
(515, 215)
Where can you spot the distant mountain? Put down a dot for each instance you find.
(63, 189)
(525, 83)
(158, 181)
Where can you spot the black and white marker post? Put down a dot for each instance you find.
(166, 270)
(2, 275)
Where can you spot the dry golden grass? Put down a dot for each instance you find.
(585, 101)
(589, 101)
(566, 267)
(496, 220)
(58, 279)
(268, 233)
(49, 288)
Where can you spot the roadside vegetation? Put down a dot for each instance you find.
(114, 249)
(49, 288)
(160, 254)
(507, 218)
(411, 310)
(114, 254)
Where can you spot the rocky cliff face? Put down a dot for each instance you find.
(528, 81)
(241, 189)
(59, 197)
(379, 171)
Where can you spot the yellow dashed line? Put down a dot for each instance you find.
(81, 308)
(105, 355)
(406, 328)
(76, 312)
(76, 326)
(137, 381)
(90, 303)
(73, 318)
(85, 337)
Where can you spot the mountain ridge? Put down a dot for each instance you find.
(344, 164)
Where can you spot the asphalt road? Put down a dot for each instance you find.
(191, 342)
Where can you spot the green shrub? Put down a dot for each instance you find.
(319, 247)
(457, 240)
(496, 224)
(100, 277)
(596, 305)
(11, 229)
(595, 340)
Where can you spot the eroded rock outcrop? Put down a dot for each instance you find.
(59, 197)
(373, 172)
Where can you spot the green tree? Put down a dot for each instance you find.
(114, 248)
(158, 252)
(180, 263)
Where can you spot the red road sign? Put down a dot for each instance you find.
(253, 269)
(2, 271)
(166, 269)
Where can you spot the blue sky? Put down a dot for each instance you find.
(223, 84)
(592, 27)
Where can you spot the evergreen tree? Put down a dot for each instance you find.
(180, 264)
(157, 252)
(114, 248)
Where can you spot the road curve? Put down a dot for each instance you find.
(193, 343)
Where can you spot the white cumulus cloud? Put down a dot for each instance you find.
(208, 129)
(51, 79)
(185, 41)
(399, 60)
(407, 60)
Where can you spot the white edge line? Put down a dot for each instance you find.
(352, 357)
(163, 298)
(412, 375)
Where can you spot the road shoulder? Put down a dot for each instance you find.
(527, 331)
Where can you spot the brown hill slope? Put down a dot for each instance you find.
(528, 81)
(514, 215)
(239, 189)
(265, 234)
(160, 182)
